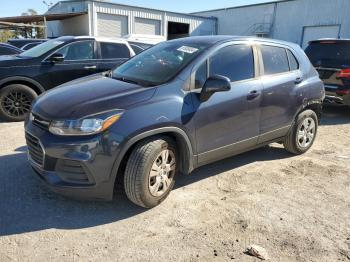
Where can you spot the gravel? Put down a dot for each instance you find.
(297, 207)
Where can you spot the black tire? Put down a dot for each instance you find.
(292, 143)
(13, 95)
(137, 179)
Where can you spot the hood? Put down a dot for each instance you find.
(88, 96)
(13, 60)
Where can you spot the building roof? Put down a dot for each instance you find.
(133, 6)
(39, 18)
(241, 6)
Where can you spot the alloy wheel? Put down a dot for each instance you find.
(306, 132)
(16, 104)
(162, 173)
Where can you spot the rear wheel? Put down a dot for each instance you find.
(15, 102)
(302, 135)
(150, 172)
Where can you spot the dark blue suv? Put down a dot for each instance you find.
(174, 107)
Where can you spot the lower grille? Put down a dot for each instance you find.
(35, 151)
(71, 171)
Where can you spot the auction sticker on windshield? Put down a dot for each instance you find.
(187, 49)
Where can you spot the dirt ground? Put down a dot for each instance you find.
(297, 207)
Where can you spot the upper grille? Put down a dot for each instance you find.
(40, 122)
(35, 151)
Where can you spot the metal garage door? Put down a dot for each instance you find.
(112, 25)
(317, 32)
(147, 26)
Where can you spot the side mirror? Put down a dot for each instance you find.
(215, 83)
(56, 58)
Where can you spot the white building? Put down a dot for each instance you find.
(101, 18)
(297, 21)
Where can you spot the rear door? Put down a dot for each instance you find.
(329, 58)
(280, 78)
(111, 55)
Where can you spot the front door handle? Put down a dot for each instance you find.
(90, 67)
(253, 94)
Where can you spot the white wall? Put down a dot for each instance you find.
(289, 18)
(74, 26)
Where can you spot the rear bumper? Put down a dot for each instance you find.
(333, 98)
(77, 167)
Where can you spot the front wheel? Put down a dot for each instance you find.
(303, 133)
(15, 102)
(150, 172)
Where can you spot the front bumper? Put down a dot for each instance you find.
(78, 167)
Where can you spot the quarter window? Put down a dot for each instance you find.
(275, 60)
(235, 62)
(78, 51)
(112, 50)
(293, 62)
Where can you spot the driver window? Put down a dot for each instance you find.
(78, 51)
(201, 76)
(235, 62)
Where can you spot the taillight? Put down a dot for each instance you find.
(344, 73)
(343, 92)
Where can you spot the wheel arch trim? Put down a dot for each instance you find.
(24, 79)
(181, 134)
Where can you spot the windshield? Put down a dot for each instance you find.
(158, 64)
(329, 54)
(41, 49)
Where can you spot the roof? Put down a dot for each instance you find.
(97, 38)
(133, 6)
(39, 18)
(242, 6)
(216, 39)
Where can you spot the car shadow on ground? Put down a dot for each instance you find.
(335, 115)
(26, 205)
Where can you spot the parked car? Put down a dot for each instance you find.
(176, 106)
(52, 63)
(145, 39)
(139, 47)
(24, 42)
(6, 49)
(331, 58)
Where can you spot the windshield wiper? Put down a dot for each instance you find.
(126, 80)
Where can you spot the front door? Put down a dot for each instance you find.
(228, 122)
(79, 61)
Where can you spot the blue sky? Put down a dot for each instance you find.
(16, 7)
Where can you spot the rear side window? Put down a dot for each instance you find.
(113, 50)
(235, 62)
(329, 54)
(275, 59)
(293, 62)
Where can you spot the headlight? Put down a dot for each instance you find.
(85, 126)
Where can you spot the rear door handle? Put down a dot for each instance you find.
(253, 94)
(90, 67)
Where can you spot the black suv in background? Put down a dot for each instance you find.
(26, 43)
(23, 77)
(6, 49)
(331, 58)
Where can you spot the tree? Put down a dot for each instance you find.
(5, 35)
(31, 32)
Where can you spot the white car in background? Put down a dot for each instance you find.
(141, 42)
